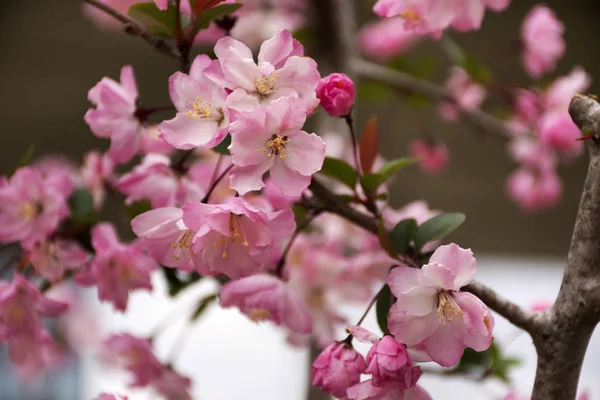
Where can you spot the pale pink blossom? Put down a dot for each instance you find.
(388, 361)
(273, 195)
(270, 139)
(362, 334)
(97, 172)
(386, 39)
(336, 93)
(202, 116)
(114, 114)
(53, 257)
(155, 180)
(172, 385)
(532, 153)
(558, 131)
(31, 207)
(433, 156)
(168, 240)
(264, 297)
(259, 23)
(467, 94)
(116, 268)
(31, 358)
(542, 41)
(534, 190)
(57, 168)
(235, 238)
(367, 390)
(337, 368)
(135, 355)
(558, 95)
(282, 71)
(431, 310)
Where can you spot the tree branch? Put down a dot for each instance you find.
(511, 311)
(135, 28)
(402, 81)
(568, 325)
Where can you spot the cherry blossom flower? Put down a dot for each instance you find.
(433, 156)
(116, 268)
(168, 240)
(234, 238)
(51, 258)
(282, 71)
(152, 142)
(114, 114)
(31, 207)
(96, 172)
(558, 132)
(558, 95)
(30, 358)
(336, 93)
(467, 94)
(534, 189)
(366, 390)
(337, 368)
(155, 180)
(270, 139)
(202, 116)
(430, 309)
(386, 39)
(135, 355)
(543, 44)
(264, 297)
(387, 361)
(172, 385)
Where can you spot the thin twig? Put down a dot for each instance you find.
(307, 221)
(135, 28)
(215, 184)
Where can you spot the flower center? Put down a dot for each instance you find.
(13, 314)
(237, 235)
(276, 146)
(28, 210)
(204, 109)
(448, 309)
(264, 85)
(411, 14)
(182, 244)
(259, 314)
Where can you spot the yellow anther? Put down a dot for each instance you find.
(259, 314)
(411, 14)
(203, 109)
(276, 146)
(448, 309)
(265, 85)
(27, 210)
(224, 254)
(183, 243)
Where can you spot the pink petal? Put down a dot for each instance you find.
(479, 321)
(278, 49)
(290, 182)
(305, 153)
(444, 345)
(247, 179)
(408, 329)
(185, 132)
(104, 238)
(459, 261)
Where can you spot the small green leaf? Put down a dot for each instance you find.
(214, 13)
(221, 148)
(437, 228)
(156, 22)
(202, 305)
(490, 362)
(81, 203)
(136, 208)
(476, 69)
(382, 308)
(339, 170)
(371, 182)
(402, 234)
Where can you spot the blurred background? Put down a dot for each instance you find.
(51, 55)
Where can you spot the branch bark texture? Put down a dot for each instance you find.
(568, 325)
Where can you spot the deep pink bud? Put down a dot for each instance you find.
(336, 93)
(387, 361)
(337, 368)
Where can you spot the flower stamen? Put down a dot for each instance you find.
(448, 309)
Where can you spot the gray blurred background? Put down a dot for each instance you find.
(51, 55)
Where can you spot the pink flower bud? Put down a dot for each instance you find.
(388, 361)
(336, 93)
(433, 156)
(337, 368)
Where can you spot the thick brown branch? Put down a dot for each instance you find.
(512, 312)
(402, 81)
(563, 341)
(135, 28)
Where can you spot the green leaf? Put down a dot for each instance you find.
(476, 69)
(214, 13)
(136, 208)
(221, 148)
(382, 308)
(437, 228)
(403, 234)
(371, 182)
(81, 203)
(156, 22)
(490, 362)
(339, 170)
(202, 305)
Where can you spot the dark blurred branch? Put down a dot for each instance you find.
(405, 82)
(135, 28)
(562, 341)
